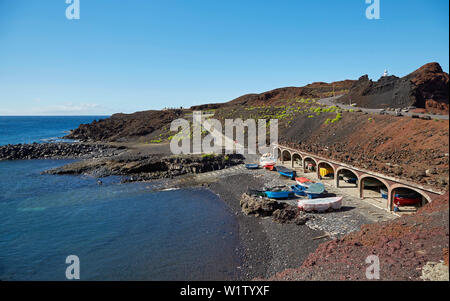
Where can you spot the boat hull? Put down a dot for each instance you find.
(298, 190)
(252, 166)
(286, 172)
(320, 205)
(279, 194)
(406, 201)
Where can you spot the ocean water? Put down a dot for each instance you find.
(118, 231)
(29, 129)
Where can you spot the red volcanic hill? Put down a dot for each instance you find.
(426, 88)
(281, 95)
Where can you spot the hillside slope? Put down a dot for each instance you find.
(409, 148)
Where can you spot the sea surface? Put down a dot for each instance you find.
(118, 231)
(40, 129)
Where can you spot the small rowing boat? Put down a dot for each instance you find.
(298, 190)
(282, 194)
(315, 190)
(304, 182)
(270, 166)
(320, 205)
(256, 193)
(267, 159)
(251, 166)
(286, 172)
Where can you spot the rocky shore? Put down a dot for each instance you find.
(57, 151)
(138, 167)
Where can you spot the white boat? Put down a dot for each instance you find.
(267, 159)
(320, 205)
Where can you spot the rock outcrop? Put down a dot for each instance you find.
(143, 168)
(280, 212)
(55, 151)
(125, 127)
(426, 88)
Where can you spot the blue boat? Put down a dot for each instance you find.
(351, 180)
(284, 194)
(316, 190)
(251, 166)
(286, 172)
(299, 190)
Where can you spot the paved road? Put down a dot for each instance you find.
(331, 101)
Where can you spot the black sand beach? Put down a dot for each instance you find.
(266, 247)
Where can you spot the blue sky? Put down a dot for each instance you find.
(126, 56)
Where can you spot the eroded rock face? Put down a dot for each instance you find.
(426, 88)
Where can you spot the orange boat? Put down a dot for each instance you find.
(305, 182)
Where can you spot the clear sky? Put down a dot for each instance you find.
(126, 56)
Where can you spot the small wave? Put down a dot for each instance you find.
(32, 209)
(170, 189)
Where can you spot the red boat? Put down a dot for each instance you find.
(406, 201)
(270, 167)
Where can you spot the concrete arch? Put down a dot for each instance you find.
(307, 159)
(324, 163)
(286, 156)
(341, 169)
(386, 184)
(297, 160)
(362, 178)
(392, 191)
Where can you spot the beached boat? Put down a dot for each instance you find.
(407, 198)
(407, 201)
(298, 190)
(251, 166)
(326, 171)
(350, 180)
(286, 172)
(320, 205)
(256, 193)
(304, 182)
(267, 159)
(315, 190)
(270, 167)
(282, 194)
(384, 193)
